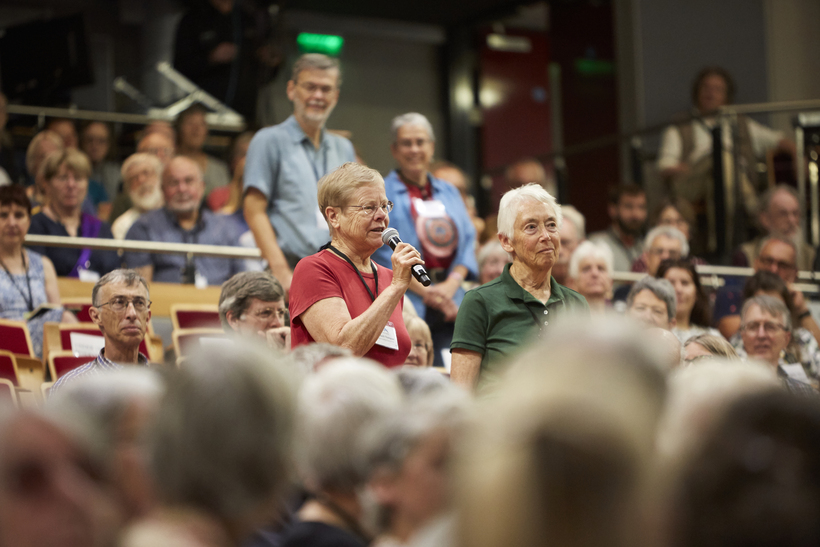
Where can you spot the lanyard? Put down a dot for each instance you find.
(375, 275)
(30, 299)
(313, 163)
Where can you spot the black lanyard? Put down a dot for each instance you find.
(375, 274)
(30, 299)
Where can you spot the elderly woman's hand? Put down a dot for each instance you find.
(405, 256)
(439, 298)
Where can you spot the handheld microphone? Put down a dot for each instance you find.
(391, 237)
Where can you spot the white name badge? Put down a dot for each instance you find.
(88, 276)
(388, 338)
(429, 208)
(200, 281)
(795, 372)
(321, 223)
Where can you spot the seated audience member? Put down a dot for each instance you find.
(336, 407)
(560, 454)
(430, 215)
(253, 304)
(41, 146)
(572, 234)
(219, 449)
(66, 129)
(228, 199)
(702, 346)
(627, 210)
(28, 279)
(766, 328)
(192, 131)
(590, 273)
(527, 171)
(141, 174)
(803, 347)
(452, 173)
(336, 296)
(65, 178)
(693, 316)
(497, 318)
(309, 358)
(651, 301)
(96, 142)
(677, 213)
(491, 261)
(96, 197)
(118, 406)
(421, 343)
(661, 243)
(10, 172)
(777, 255)
(55, 490)
(754, 478)
(121, 308)
(779, 216)
(408, 455)
(182, 220)
(157, 143)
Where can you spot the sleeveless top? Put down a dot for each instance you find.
(13, 304)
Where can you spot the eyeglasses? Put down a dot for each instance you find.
(313, 88)
(120, 303)
(768, 262)
(768, 327)
(268, 313)
(661, 252)
(370, 210)
(409, 143)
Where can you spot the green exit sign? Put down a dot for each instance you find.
(320, 43)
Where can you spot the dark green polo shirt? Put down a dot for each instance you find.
(500, 317)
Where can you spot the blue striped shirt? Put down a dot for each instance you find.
(99, 365)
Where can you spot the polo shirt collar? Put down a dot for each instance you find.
(296, 133)
(515, 291)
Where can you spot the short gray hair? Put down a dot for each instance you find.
(336, 405)
(489, 249)
(139, 158)
(574, 215)
(221, 440)
(239, 290)
(125, 276)
(590, 249)
(510, 202)
(670, 232)
(411, 118)
(316, 61)
(786, 241)
(769, 304)
(661, 288)
(307, 358)
(766, 198)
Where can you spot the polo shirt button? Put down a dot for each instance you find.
(546, 312)
(546, 323)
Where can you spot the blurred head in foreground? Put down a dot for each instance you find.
(558, 455)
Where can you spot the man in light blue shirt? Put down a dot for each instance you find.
(284, 165)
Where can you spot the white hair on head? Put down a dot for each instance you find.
(411, 118)
(574, 215)
(670, 232)
(511, 201)
(590, 249)
(490, 249)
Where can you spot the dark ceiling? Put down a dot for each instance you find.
(438, 12)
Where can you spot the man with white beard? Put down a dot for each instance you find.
(141, 175)
(780, 217)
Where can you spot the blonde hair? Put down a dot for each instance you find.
(337, 187)
(416, 325)
(31, 151)
(76, 161)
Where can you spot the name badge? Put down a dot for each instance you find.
(795, 372)
(89, 276)
(321, 223)
(200, 281)
(388, 338)
(430, 208)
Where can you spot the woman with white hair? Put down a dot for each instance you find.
(335, 406)
(590, 273)
(496, 319)
(429, 214)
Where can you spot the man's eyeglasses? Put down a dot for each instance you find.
(313, 88)
(268, 313)
(120, 303)
(768, 262)
(768, 327)
(370, 210)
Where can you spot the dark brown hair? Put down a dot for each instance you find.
(14, 194)
(700, 315)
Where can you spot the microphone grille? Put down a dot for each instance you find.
(388, 234)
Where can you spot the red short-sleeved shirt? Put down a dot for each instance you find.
(323, 275)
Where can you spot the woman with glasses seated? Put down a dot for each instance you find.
(430, 215)
(27, 279)
(339, 295)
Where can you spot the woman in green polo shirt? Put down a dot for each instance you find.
(499, 317)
